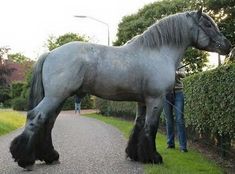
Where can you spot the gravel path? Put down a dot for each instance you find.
(86, 146)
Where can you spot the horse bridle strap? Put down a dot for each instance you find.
(206, 32)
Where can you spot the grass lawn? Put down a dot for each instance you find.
(175, 162)
(10, 120)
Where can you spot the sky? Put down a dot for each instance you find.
(27, 24)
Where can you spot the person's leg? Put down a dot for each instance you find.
(179, 112)
(79, 108)
(168, 112)
(75, 107)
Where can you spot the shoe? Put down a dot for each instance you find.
(171, 147)
(183, 150)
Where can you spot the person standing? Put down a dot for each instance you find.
(77, 104)
(174, 105)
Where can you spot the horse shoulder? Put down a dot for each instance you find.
(159, 81)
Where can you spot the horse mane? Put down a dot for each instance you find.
(169, 30)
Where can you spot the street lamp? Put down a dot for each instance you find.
(107, 25)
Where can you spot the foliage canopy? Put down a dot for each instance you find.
(54, 42)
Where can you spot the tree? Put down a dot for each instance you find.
(135, 24)
(18, 58)
(54, 42)
(20, 92)
(5, 71)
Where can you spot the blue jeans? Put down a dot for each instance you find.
(77, 107)
(177, 99)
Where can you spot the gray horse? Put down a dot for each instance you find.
(142, 70)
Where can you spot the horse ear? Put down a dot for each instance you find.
(199, 13)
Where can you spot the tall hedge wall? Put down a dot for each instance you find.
(209, 104)
(210, 100)
(120, 109)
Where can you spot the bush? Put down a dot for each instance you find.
(210, 101)
(16, 89)
(102, 105)
(69, 104)
(7, 103)
(87, 103)
(20, 104)
(125, 110)
(4, 94)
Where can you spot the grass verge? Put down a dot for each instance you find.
(10, 120)
(175, 162)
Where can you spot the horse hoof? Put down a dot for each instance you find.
(55, 162)
(146, 150)
(131, 153)
(51, 157)
(29, 168)
(21, 151)
(157, 159)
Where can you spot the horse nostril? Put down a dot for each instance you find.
(227, 44)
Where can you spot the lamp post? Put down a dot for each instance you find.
(106, 24)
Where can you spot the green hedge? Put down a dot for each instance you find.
(4, 94)
(113, 108)
(20, 104)
(210, 101)
(16, 89)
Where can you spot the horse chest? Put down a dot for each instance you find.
(161, 82)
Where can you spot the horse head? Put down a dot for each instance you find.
(206, 35)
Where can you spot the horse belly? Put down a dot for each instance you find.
(120, 97)
(114, 88)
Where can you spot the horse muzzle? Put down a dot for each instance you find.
(224, 47)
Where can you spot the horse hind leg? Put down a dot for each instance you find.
(23, 148)
(131, 149)
(45, 149)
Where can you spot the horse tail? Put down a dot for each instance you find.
(36, 93)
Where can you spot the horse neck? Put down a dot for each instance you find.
(174, 54)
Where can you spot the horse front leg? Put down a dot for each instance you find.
(23, 147)
(147, 152)
(131, 150)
